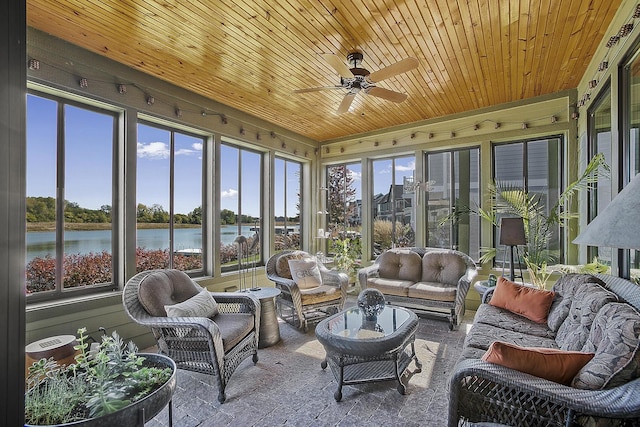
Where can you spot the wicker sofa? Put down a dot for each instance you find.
(592, 314)
(422, 279)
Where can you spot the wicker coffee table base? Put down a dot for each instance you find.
(350, 369)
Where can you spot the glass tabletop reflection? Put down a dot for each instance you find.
(352, 323)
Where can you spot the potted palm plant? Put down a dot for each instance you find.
(108, 385)
(539, 220)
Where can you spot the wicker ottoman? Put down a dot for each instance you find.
(360, 350)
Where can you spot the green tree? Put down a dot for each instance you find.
(341, 195)
(227, 217)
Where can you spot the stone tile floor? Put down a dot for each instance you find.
(288, 387)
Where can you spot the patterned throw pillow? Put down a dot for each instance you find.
(200, 305)
(305, 273)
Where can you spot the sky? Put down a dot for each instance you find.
(89, 159)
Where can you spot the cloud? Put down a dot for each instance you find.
(357, 176)
(153, 150)
(196, 148)
(410, 167)
(229, 193)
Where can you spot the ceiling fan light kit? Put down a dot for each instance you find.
(357, 79)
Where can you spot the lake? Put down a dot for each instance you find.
(42, 243)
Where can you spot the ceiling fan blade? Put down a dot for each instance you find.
(399, 67)
(346, 103)
(338, 65)
(387, 94)
(315, 89)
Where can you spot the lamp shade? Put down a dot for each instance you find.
(618, 225)
(512, 232)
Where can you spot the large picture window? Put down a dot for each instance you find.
(599, 131)
(453, 179)
(394, 204)
(240, 204)
(535, 167)
(70, 150)
(169, 191)
(287, 194)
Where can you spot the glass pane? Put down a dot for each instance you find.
(229, 206)
(438, 199)
(404, 202)
(187, 202)
(382, 205)
(634, 146)
(88, 197)
(41, 194)
(250, 203)
(287, 204)
(466, 176)
(601, 143)
(153, 177)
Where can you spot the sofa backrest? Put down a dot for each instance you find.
(565, 288)
(400, 264)
(443, 266)
(585, 305)
(614, 338)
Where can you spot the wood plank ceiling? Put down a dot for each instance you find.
(252, 54)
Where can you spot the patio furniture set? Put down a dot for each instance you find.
(586, 314)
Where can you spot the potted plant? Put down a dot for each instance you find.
(539, 220)
(346, 255)
(108, 385)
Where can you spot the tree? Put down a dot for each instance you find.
(341, 195)
(227, 216)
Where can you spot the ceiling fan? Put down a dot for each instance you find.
(356, 79)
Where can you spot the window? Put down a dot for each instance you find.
(340, 204)
(631, 147)
(535, 166)
(288, 191)
(240, 204)
(169, 205)
(393, 207)
(599, 134)
(70, 151)
(453, 179)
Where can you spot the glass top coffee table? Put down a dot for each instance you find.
(361, 350)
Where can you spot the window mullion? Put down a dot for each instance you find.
(60, 178)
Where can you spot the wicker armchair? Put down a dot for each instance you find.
(299, 307)
(215, 347)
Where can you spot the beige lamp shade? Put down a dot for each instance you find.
(618, 225)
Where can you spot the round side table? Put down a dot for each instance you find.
(269, 327)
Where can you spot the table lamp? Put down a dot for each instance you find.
(512, 235)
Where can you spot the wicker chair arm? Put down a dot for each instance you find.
(365, 273)
(619, 402)
(333, 278)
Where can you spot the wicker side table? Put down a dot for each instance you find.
(361, 351)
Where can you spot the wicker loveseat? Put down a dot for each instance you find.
(422, 279)
(589, 314)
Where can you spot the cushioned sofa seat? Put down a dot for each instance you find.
(422, 279)
(587, 315)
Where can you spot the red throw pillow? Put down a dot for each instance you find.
(532, 303)
(552, 364)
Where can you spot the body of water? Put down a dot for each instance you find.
(42, 243)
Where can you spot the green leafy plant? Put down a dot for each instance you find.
(347, 254)
(539, 221)
(101, 381)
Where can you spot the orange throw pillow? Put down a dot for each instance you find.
(532, 303)
(552, 364)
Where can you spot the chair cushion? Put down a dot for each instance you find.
(234, 327)
(390, 286)
(443, 267)
(532, 303)
(319, 294)
(400, 264)
(200, 305)
(305, 273)
(282, 263)
(549, 363)
(585, 305)
(482, 335)
(615, 338)
(505, 319)
(434, 291)
(165, 287)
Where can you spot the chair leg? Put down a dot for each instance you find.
(255, 358)
(221, 396)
